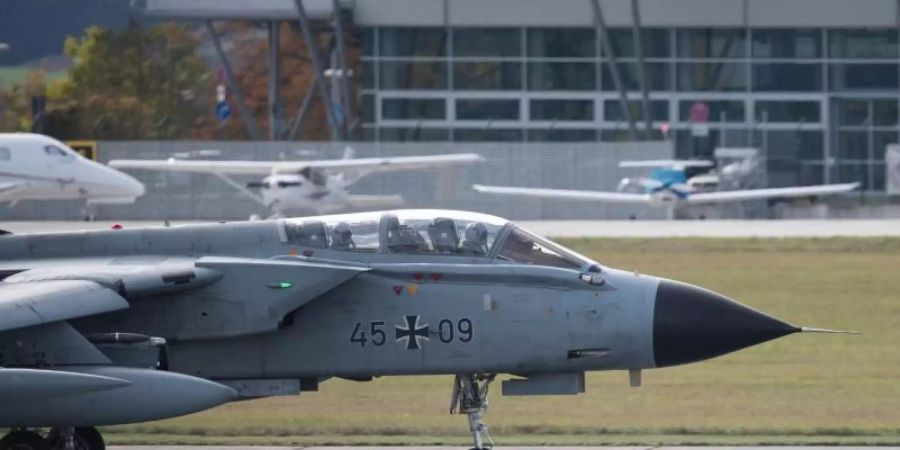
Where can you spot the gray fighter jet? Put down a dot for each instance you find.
(131, 325)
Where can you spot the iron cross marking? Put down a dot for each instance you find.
(412, 332)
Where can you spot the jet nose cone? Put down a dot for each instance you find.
(131, 186)
(691, 324)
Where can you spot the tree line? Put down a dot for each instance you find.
(159, 82)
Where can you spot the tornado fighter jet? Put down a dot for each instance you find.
(131, 325)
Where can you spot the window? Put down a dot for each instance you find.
(712, 76)
(656, 76)
(711, 43)
(412, 75)
(787, 43)
(409, 108)
(654, 42)
(787, 77)
(415, 134)
(413, 42)
(368, 108)
(863, 43)
(717, 110)
(418, 232)
(5, 154)
(368, 75)
(562, 110)
(561, 42)
(612, 110)
(487, 75)
(864, 76)
(547, 76)
(353, 232)
(368, 41)
(56, 152)
(487, 42)
(795, 111)
(347, 232)
(524, 247)
(478, 109)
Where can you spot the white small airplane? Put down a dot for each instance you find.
(38, 167)
(668, 185)
(303, 186)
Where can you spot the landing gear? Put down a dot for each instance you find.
(24, 440)
(89, 212)
(81, 438)
(470, 398)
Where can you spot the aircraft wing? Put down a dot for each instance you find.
(787, 192)
(564, 194)
(35, 303)
(681, 163)
(207, 166)
(10, 187)
(368, 165)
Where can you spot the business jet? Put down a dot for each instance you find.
(38, 167)
(303, 186)
(668, 185)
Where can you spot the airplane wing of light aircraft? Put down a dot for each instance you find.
(302, 186)
(38, 167)
(669, 185)
(124, 326)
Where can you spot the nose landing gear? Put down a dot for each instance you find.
(81, 438)
(470, 398)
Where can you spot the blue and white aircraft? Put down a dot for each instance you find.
(669, 185)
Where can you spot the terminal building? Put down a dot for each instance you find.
(813, 84)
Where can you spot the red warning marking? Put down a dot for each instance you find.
(398, 290)
(418, 276)
(117, 226)
(436, 276)
(308, 253)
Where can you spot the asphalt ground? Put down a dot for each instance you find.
(599, 228)
(174, 447)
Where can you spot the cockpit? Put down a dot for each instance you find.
(416, 233)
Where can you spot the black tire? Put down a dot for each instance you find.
(24, 440)
(86, 438)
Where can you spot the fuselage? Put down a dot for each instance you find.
(292, 193)
(37, 167)
(428, 299)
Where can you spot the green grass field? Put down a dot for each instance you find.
(824, 389)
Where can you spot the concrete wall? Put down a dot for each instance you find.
(199, 196)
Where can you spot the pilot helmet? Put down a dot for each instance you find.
(341, 234)
(476, 232)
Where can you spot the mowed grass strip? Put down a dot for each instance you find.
(802, 389)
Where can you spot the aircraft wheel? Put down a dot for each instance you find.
(24, 440)
(86, 438)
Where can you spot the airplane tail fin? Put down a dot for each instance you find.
(349, 152)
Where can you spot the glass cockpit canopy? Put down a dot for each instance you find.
(431, 232)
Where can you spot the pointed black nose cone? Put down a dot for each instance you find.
(691, 324)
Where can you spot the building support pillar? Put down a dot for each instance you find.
(641, 72)
(346, 98)
(246, 116)
(313, 48)
(600, 25)
(274, 82)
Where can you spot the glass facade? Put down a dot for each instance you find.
(821, 103)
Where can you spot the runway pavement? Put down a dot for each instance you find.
(151, 447)
(602, 228)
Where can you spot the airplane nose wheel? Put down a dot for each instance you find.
(470, 398)
(24, 440)
(81, 438)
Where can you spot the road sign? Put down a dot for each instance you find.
(223, 111)
(88, 149)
